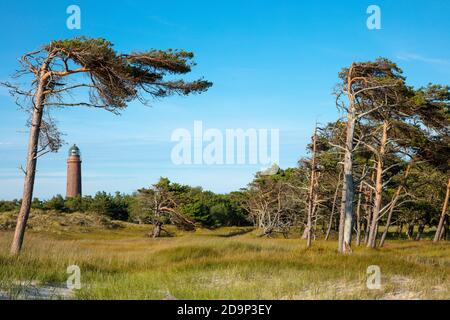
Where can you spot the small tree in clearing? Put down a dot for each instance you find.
(112, 80)
(160, 204)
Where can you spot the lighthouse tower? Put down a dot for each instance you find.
(73, 172)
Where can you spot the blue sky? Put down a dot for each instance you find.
(273, 64)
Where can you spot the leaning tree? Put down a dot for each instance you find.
(59, 72)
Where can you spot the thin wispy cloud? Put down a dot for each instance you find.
(162, 21)
(421, 58)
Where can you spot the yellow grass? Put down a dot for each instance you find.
(228, 263)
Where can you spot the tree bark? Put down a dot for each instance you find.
(420, 230)
(333, 208)
(157, 230)
(378, 187)
(314, 213)
(445, 229)
(438, 236)
(410, 231)
(305, 233)
(368, 211)
(346, 217)
(399, 229)
(311, 192)
(358, 218)
(358, 210)
(30, 171)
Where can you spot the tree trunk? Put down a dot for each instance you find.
(157, 230)
(410, 231)
(30, 171)
(358, 211)
(315, 215)
(444, 232)
(346, 217)
(399, 230)
(358, 221)
(333, 208)
(393, 204)
(388, 223)
(371, 243)
(305, 233)
(438, 235)
(311, 192)
(420, 230)
(369, 215)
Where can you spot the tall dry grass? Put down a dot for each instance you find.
(224, 264)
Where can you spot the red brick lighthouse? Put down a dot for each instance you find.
(73, 172)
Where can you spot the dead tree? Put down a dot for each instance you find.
(270, 206)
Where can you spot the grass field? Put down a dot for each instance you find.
(228, 263)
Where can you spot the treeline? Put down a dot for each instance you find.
(280, 203)
(384, 164)
(203, 208)
(185, 206)
(114, 206)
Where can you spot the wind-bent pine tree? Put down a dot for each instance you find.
(389, 102)
(160, 203)
(434, 113)
(414, 121)
(110, 79)
(358, 81)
